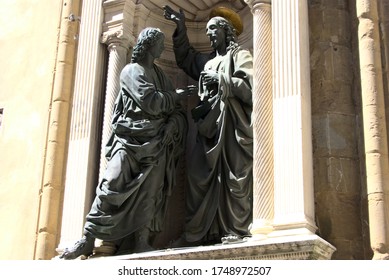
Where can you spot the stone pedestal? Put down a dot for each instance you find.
(310, 247)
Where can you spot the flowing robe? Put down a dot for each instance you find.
(148, 136)
(219, 197)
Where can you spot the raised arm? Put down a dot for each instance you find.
(187, 58)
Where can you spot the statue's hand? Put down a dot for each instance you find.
(177, 17)
(209, 78)
(189, 90)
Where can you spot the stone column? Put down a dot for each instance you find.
(293, 165)
(118, 45)
(51, 192)
(82, 159)
(262, 118)
(374, 126)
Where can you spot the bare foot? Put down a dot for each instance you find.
(231, 239)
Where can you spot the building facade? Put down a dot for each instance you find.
(320, 122)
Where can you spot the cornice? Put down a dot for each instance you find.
(118, 20)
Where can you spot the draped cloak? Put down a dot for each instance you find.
(148, 136)
(219, 197)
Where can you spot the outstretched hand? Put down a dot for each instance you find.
(183, 93)
(177, 17)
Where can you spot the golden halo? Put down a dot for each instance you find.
(229, 14)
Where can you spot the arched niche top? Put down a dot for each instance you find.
(129, 17)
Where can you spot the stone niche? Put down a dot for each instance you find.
(289, 242)
(123, 20)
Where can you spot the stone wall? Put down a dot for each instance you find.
(28, 43)
(336, 119)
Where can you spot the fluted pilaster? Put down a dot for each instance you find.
(293, 165)
(87, 99)
(262, 118)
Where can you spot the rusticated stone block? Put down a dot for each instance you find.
(333, 96)
(334, 135)
(348, 249)
(338, 4)
(348, 224)
(337, 174)
(336, 22)
(338, 216)
(337, 64)
(329, 25)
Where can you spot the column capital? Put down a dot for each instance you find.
(118, 24)
(253, 4)
(115, 38)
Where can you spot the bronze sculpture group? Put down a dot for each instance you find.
(149, 131)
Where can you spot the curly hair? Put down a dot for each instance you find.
(146, 39)
(230, 31)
